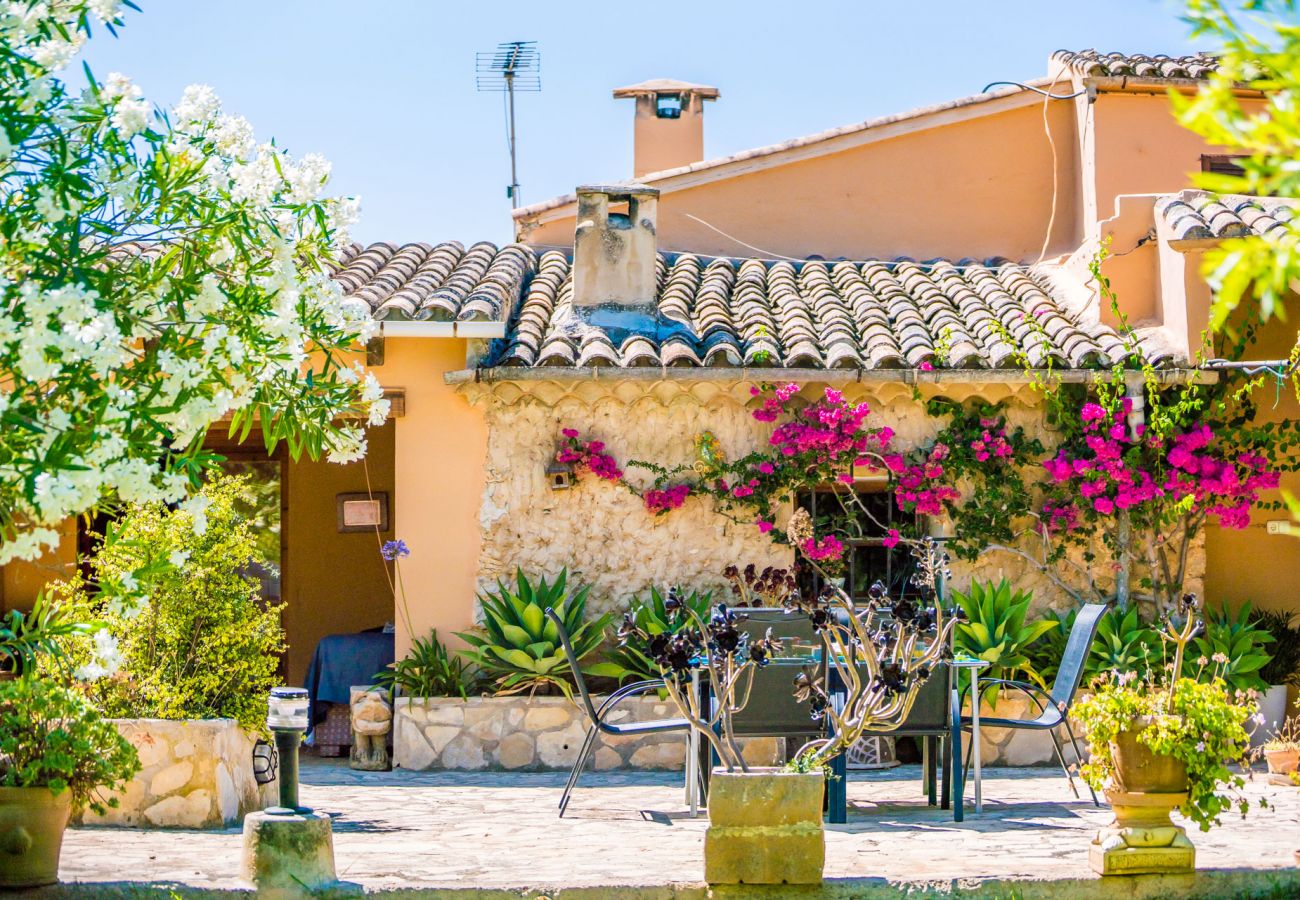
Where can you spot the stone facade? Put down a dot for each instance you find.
(539, 733)
(603, 533)
(195, 774)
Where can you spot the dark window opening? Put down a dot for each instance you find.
(668, 106)
(867, 559)
(1222, 164)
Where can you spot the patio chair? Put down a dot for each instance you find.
(1053, 705)
(599, 716)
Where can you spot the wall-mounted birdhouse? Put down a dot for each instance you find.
(560, 475)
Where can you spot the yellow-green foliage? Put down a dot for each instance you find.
(205, 645)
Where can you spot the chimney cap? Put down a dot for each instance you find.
(618, 191)
(667, 86)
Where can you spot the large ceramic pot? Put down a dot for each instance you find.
(32, 821)
(765, 827)
(1139, 770)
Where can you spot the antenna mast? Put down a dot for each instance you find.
(512, 66)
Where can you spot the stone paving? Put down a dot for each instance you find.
(494, 829)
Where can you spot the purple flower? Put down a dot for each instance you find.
(393, 550)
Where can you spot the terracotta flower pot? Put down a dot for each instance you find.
(1140, 770)
(1283, 761)
(32, 821)
(765, 827)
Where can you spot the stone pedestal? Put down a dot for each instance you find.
(1142, 840)
(765, 827)
(288, 856)
(372, 720)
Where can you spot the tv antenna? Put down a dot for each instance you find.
(512, 66)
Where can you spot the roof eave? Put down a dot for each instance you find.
(1179, 375)
(410, 328)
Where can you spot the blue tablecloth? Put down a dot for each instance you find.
(344, 660)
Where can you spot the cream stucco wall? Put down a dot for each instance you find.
(440, 445)
(974, 186)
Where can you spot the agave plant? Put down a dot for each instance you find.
(651, 615)
(1045, 654)
(1236, 643)
(995, 630)
(518, 647)
(1124, 644)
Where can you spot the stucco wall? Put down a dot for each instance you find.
(954, 184)
(602, 532)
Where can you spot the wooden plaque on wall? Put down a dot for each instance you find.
(362, 512)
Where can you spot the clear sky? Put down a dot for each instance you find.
(385, 88)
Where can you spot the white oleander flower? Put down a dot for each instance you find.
(130, 117)
(199, 104)
(197, 507)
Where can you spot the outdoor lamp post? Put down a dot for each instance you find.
(287, 718)
(288, 849)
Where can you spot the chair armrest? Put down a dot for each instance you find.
(1032, 691)
(623, 693)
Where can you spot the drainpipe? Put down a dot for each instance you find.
(1134, 390)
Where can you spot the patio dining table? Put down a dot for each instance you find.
(922, 722)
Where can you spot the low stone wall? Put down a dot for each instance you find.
(195, 774)
(538, 733)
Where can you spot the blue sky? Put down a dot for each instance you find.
(385, 88)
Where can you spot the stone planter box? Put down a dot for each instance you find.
(195, 774)
(524, 733)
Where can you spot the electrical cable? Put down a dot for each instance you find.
(1029, 87)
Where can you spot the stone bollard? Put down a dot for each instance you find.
(1142, 840)
(288, 855)
(765, 827)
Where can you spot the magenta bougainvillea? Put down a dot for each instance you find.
(978, 471)
(1111, 471)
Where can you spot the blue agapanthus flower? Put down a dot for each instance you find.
(395, 550)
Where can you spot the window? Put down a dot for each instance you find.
(1222, 164)
(668, 106)
(868, 560)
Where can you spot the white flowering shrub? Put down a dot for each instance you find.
(160, 271)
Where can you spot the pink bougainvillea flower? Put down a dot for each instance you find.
(764, 526)
(891, 540)
(926, 366)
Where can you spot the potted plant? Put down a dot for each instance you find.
(56, 752)
(1163, 740)
(1281, 672)
(765, 824)
(1281, 751)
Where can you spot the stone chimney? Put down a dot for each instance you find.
(669, 129)
(614, 249)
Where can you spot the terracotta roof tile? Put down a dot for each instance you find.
(445, 282)
(881, 314)
(1193, 216)
(1138, 65)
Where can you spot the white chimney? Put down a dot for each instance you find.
(614, 264)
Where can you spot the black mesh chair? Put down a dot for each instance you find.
(1054, 705)
(599, 715)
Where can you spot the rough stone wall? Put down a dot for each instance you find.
(195, 774)
(539, 733)
(603, 533)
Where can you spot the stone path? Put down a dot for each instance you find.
(492, 829)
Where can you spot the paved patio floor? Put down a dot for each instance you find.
(491, 829)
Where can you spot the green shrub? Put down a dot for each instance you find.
(205, 645)
(1232, 648)
(51, 736)
(519, 649)
(650, 615)
(429, 670)
(995, 630)
(1284, 667)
